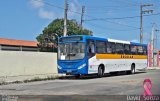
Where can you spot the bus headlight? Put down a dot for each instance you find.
(83, 65)
(59, 67)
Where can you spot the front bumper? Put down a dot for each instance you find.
(73, 71)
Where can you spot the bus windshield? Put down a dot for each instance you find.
(71, 51)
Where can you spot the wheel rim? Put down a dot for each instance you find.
(133, 70)
(100, 71)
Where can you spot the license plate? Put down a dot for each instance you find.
(69, 71)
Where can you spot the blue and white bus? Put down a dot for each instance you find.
(81, 55)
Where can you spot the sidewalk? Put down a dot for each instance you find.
(152, 68)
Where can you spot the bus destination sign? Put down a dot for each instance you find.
(68, 39)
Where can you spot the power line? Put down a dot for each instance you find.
(113, 18)
(131, 4)
(98, 26)
(113, 8)
(85, 14)
(106, 7)
(95, 7)
(49, 4)
(129, 17)
(102, 27)
(122, 24)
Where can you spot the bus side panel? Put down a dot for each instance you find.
(92, 68)
(139, 63)
(112, 65)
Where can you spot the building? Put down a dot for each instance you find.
(17, 45)
(158, 57)
(153, 58)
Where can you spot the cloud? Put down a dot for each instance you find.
(37, 3)
(134, 40)
(42, 13)
(46, 14)
(73, 7)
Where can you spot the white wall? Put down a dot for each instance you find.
(20, 63)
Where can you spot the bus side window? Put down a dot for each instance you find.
(109, 47)
(113, 48)
(127, 49)
(90, 48)
(144, 50)
(133, 49)
(100, 47)
(140, 50)
(119, 48)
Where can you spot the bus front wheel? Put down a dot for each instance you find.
(78, 76)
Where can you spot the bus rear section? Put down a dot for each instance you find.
(116, 56)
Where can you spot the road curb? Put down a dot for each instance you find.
(153, 68)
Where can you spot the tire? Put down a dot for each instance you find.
(133, 69)
(100, 72)
(78, 76)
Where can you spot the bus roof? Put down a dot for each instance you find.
(138, 44)
(118, 41)
(108, 39)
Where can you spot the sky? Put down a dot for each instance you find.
(116, 19)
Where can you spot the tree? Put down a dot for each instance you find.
(47, 40)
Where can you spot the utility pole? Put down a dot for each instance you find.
(141, 31)
(157, 37)
(152, 44)
(157, 62)
(82, 14)
(65, 17)
(141, 19)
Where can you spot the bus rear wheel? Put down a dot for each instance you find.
(100, 71)
(132, 69)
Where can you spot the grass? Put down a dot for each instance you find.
(53, 77)
(3, 83)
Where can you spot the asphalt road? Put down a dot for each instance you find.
(109, 85)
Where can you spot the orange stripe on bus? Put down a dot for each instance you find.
(119, 56)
